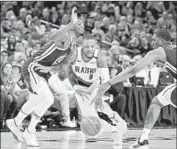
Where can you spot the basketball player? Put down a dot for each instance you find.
(165, 54)
(59, 50)
(89, 70)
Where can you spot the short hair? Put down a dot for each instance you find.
(88, 37)
(163, 34)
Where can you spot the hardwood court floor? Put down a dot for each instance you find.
(159, 139)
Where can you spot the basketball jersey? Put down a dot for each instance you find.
(86, 73)
(50, 54)
(170, 64)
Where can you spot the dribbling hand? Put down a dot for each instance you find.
(82, 93)
(98, 98)
(41, 68)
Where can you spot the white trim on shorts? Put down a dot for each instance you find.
(164, 96)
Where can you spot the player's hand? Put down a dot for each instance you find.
(83, 93)
(43, 69)
(74, 15)
(98, 98)
(98, 101)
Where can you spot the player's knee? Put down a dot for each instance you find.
(156, 101)
(50, 99)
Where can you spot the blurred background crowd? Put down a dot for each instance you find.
(125, 28)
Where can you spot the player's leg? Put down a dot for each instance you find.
(118, 125)
(63, 99)
(46, 95)
(61, 95)
(158, 102)
(74, 104)
(27, 108)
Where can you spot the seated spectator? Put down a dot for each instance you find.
(19, 52)
(125, 64)
(97, 29)
(40, 28)
(112, 30)
(46, 14)
(145, 45)
(22, 14)
(155, 70)
(134, 45)
(20, 92)
(6, 101)
(141, 78)
(4, 56)
(11, 42)
(119, 100)
(7, 87)
(45, 38)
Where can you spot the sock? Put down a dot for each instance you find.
(20, 117)
(27, 108)
(145, 134)
(34, 121)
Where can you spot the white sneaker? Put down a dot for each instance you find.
(30, 138)
(14, 129)
(69, 124)
(120, 124)
(140, 145)
(117, 140)
(117, 133)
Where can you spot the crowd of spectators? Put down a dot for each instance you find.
(123, 27)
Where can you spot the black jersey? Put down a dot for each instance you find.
(48, 55)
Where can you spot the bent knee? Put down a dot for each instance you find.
(49, 98)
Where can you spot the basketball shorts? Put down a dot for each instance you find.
(168, 95)
(37, 83)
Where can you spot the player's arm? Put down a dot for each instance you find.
(151, 57)
(102, 65)
(69, 60)
(68, 26)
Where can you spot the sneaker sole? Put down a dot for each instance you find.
(142, 147)
(24, 141)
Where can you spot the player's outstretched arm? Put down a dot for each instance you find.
(68, 26)
(150, 58)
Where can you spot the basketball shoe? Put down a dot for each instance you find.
(30, 138)
(118, 129)
(140, 145)
(68, 124)
(11, 124)
(117, 140)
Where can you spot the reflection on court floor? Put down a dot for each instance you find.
(159, 139)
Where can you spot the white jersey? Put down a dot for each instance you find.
(86, 72)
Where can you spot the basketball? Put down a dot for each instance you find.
(90, 125)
